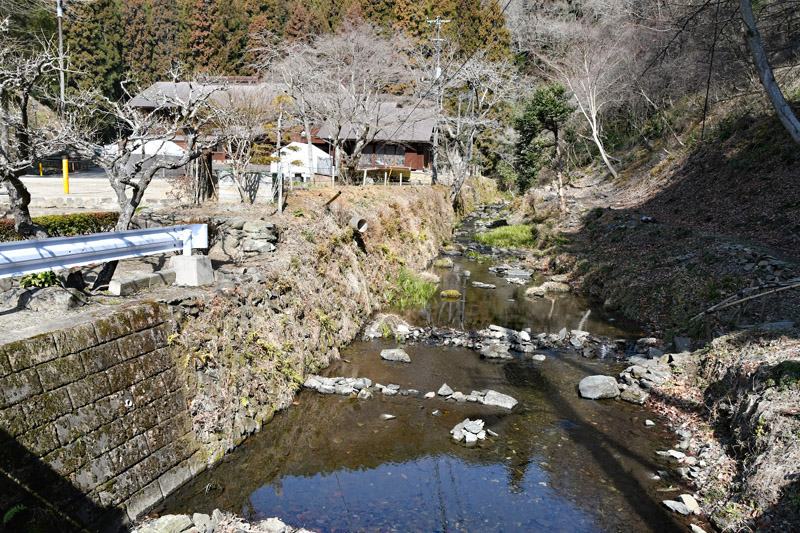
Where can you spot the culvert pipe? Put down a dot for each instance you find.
(359, 224)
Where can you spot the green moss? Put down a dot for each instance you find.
(509, 236)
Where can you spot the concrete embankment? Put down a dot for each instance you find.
(100, 404)
(127, 405)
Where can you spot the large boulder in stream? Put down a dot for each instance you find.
(498, 399)
(598, 387)
(395, 354)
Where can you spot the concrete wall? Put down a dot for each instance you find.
(102, 404)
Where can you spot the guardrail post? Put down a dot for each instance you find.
(187, 242)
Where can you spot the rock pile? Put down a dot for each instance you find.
(496, 342)
(686, 505)
(471, 431)
(486, 397)
(217, 522)
(547, 287)
(511, 271)
(358, 387)
(765, 267)
(650, 369)
(241, 237)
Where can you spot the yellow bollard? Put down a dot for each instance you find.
(65, 170)
(40, 170)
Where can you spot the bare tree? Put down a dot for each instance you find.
(169, 114)
(593, 70)
(242, 115)
(24, 78)
(474, 90)
(765, 74)
(298, 75)
(342, 81)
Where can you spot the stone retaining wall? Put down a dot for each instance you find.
(102, 405)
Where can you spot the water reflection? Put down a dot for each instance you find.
(507, 305)
(559, 462)
(438, 493)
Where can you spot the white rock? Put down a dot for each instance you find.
(678, 507)
(598, 387)
(473, 426)
(444, 390)
(395, 354)
(689, 501)
(430, 395)
(675, 454)
(498, 399)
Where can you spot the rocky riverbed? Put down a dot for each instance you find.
(371, 434)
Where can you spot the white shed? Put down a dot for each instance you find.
(294, 161)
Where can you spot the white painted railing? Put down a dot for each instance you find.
(39, 255)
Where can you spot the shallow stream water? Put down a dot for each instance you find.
(559, 462)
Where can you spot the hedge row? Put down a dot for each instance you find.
(63, 225)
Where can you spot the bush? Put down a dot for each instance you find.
(63, 225)
(509, 236)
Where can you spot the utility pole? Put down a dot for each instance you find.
(60, 15)
(64, 158)
(438, 40)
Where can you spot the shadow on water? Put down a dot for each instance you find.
(559, 462)
(35, 498)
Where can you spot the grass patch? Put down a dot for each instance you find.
(410, 291)
(509, 236)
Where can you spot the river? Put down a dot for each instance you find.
(558, 462)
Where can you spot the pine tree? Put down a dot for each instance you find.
(267, 16)
(493, 33)
(539, 133)
(198, 48)
(137, 40)
(93, 37)
(409, 17)
(381, 12)
(164, 28)
(301, 24)
(228, 37)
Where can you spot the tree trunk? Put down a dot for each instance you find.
(307, 127)
(560, 173)
(603, 154)
(20, 199)
(127, 208)
(765, 74)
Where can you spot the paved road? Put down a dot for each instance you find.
(86, 184)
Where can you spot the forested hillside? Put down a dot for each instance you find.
(636, 74)
(110, 40)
